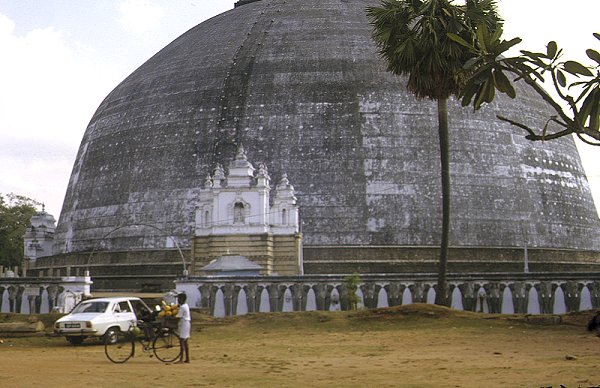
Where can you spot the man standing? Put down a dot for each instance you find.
(185, 326)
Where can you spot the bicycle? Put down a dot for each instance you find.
(158, 337)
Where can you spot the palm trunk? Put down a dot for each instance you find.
(441, 292)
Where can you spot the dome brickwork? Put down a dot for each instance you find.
(300, 85)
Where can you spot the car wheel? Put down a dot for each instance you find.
(75, 340)
(111, 335)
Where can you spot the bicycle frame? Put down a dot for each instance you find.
(163, 341)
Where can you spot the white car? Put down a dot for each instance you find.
(100, 318)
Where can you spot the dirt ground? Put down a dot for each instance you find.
(410, 346)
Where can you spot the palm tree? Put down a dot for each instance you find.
(412, 37)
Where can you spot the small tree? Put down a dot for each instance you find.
(351, 282)
(14, 218)
(577, 87)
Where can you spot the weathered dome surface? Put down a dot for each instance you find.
(300, 85)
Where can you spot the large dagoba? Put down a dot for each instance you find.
(300, 85)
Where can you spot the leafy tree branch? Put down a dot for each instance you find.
(577, 86)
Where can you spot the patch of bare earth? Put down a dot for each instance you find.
(407, 346)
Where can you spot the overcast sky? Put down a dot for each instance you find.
(60, 58)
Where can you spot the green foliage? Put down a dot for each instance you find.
(412, 37)
(14, 219)
(352, 282)
(577, 86)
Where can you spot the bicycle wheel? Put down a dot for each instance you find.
(118, 346)
(166, 346)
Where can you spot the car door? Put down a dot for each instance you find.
(141, 309)
(124, 315)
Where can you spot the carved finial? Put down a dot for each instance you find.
(241, 154)
(284, 188)
(218, 176)
(284, 180)
(262, 170)
(219, 172)
(208, 182)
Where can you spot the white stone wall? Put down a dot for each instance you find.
(42, 295)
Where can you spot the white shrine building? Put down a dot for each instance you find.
(235, 216)
(39, 236)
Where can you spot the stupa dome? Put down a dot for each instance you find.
(300, 85)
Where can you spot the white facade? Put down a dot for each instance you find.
(39, 236)
(239, 202)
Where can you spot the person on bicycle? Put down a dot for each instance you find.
(185, 326)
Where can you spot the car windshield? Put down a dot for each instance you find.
(90, 307)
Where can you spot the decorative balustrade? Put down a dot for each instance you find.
(542, 293)
(27, 295)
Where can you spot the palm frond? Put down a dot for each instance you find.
(412, 37)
